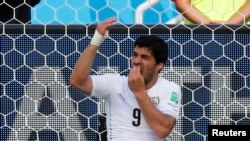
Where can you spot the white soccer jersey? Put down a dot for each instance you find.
(125, 122)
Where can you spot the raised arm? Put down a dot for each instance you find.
(241, 15)
(190, 12)
(80, 78)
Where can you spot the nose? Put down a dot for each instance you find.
(136, 60)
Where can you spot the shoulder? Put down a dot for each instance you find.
(172, 89)
(109, 77)
(169, 87)
(115, 76)
(168, 84)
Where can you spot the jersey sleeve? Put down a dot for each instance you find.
(171, 104)
(104, 85)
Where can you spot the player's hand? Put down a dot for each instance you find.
(136, 80)
(105, 25)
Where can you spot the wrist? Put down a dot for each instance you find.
(98, 38)
(140, 94)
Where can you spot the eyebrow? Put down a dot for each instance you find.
(143, 55)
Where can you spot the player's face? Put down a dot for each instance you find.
(143, 58)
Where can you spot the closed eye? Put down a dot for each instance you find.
(143, 56)
(134, 54)
(146, 57)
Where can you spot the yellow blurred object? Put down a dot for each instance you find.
(218, 10)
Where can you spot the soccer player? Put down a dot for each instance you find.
(141, 106)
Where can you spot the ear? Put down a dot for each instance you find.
(159, 67)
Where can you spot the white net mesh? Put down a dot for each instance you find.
(210, 63)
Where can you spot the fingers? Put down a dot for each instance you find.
(105, 25)
(133, 76)
(135, 80)
(135, 72)
(110, 20)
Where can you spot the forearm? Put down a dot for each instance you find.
(241, 15)
(158, 122)
(80, 78)
(84, 63)
(80, 74)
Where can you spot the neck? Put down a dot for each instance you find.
(151, 83)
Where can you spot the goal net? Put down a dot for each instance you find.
(209, 62)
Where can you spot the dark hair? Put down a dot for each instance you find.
(157, 45)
